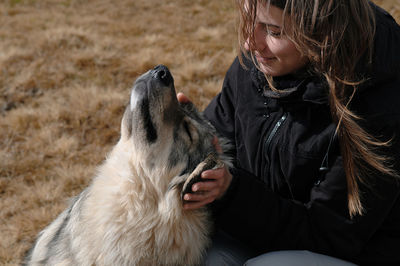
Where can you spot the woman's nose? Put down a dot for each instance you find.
(260, 39)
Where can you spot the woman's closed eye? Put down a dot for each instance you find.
(273, 33)
(271, 30)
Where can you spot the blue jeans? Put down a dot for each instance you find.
(226, 251)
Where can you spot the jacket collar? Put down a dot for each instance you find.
(300, 87)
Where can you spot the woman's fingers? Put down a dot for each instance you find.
(209, 190)
(203, 193)
(182, 98)
(222, 178)
(197, 200)
(200, 196)
(214, 174)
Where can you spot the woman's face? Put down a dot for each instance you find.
(275, 53)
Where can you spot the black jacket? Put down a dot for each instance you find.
(279, 199)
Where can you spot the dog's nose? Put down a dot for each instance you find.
(162, 73)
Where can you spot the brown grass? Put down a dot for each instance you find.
(65, 72)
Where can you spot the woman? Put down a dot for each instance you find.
(311, 106)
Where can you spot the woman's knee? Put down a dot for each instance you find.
(296, 257)
(227, 251)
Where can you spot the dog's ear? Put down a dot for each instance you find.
(209, 162)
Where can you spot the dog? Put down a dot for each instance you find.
(132, 212)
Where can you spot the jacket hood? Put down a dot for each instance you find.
(386, 59)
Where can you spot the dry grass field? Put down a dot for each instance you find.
(66, 67)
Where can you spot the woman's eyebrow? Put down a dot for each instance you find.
(268, 24)
(273, 25)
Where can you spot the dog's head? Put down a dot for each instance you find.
(168, 137)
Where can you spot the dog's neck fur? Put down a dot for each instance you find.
(166, 221)
(149, 185)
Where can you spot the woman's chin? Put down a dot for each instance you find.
(269, 70)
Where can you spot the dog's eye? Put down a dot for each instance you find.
(186, 126)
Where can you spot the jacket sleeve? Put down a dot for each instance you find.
(264, 220)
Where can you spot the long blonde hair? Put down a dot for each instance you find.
(337, 37)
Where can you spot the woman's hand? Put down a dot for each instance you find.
(182, 98)
(216, 184)
(206, 192)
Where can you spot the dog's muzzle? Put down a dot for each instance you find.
(162, 73)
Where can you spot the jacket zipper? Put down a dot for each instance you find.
(274, 130)
(269, 140)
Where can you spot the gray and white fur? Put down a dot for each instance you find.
(131, 214)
